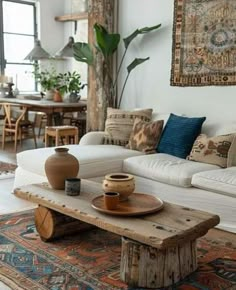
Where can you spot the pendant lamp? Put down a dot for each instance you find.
(37, 52)
(67, 50)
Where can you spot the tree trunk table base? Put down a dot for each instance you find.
(158, 250)
(51, 224)
(141, 265)
(145, 266)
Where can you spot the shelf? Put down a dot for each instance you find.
(72, 17)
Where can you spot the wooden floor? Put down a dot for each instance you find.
(8, 202)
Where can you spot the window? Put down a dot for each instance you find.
(18, 31)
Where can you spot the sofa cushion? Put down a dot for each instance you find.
(165, 168)
(119, 124)
(95, 160)
(218, 150)
(145, 136)
(221, 181)
(179, 135)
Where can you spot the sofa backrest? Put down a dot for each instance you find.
(210, 127)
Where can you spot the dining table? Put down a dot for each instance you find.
(50, 108)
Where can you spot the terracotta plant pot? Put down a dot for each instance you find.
(119, 182)
(57, 97)
(60, 166)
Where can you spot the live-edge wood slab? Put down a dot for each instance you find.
(171, 226)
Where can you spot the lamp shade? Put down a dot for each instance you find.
(67, 50)
(37, 52)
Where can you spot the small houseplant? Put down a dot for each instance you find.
(69, 82)
(59, 83)
(107, 44)
(48, 80)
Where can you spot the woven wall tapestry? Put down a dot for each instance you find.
(204, 43)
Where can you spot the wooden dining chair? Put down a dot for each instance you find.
(2, 115)
(78, 120)
(17, 124)
(42, 122)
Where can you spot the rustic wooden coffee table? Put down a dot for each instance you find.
(158, 249)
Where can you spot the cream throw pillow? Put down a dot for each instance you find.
(218, 150)
(119, 124)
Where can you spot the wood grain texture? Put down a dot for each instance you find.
(72, 17)
(99, 84)
(137, 204)
(51, 224)
(145, 266)
(172, 226)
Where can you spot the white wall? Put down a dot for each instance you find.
(149, 84)
(51, 32)
(54, 35)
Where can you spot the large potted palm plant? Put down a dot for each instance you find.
(107, 44)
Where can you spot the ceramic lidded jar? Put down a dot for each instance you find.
(119, 182)
(60, 166)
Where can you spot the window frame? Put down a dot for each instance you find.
(3, 60)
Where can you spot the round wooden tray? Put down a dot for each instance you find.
(137, 204)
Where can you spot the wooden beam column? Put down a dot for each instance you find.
(101, 12)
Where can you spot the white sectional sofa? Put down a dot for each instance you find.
(198, 185)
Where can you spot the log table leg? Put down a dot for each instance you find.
(148, 267)
(51, 224)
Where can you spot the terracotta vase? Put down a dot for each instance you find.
(119, 182)
(60, 166)
(57, 96)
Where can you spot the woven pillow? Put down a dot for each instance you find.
(218, 150)
(145, 136)
(119, 124)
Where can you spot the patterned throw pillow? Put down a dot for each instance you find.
(145, 136)
(119, 124)
(218, 150)
(179, 135)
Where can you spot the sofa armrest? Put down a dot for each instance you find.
(92, 138)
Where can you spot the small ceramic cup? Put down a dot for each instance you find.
(111, 199)
(72, 186)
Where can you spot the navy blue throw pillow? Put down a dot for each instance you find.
(179, 135)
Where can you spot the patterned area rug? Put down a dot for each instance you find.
(7, 170)
(90, 260)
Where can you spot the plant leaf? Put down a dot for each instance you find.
(143, 30)
(106, 43)
(135, 62)
(83, 52)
